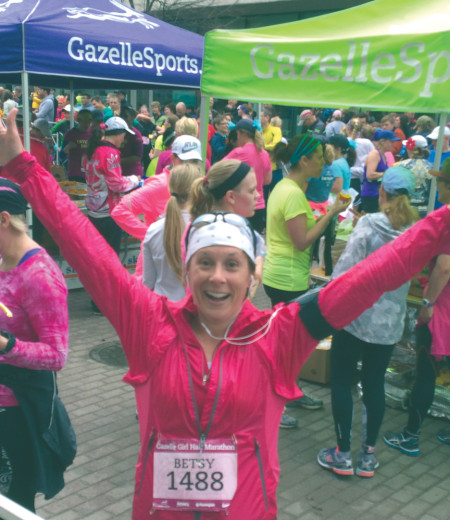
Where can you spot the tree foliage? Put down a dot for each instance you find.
(199, 16)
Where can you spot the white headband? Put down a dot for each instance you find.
(220, 233)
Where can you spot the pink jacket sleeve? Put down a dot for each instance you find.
(394, 264)
(126, 213)
(43, 301)
(114, 179)
(131, 307)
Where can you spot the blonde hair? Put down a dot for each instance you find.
(328, 154)
(181, 179)
(202, 200)
(399, 211)
(356, 125)
(276, 121)
(186, 126)
(18, 223)
(259, 140)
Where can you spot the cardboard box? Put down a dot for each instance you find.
(317, 367)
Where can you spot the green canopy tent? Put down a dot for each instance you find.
(382, 55)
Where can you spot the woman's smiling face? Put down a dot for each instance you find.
(219, 279)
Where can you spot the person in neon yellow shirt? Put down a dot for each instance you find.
(291, 230)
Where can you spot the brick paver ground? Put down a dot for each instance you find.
(99, 485)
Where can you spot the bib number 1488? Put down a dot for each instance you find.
(201, 481)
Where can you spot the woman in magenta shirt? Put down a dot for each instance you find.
(250, 149)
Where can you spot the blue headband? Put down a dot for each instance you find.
(304, 149)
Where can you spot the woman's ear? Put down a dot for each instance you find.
(230, 198)
(4, 219)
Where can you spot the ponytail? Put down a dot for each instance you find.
(399, 211)
(180, 182)
(350, 156)
(202, 200)
(94, 141)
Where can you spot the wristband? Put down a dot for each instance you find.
(427, 303)
(11, 341)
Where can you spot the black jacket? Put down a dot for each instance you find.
(54, 443)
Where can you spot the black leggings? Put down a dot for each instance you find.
(346, 351)
(16, 440)
(109, 230)
(279, 295)
(426, 371)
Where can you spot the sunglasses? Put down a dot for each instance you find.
(230, 218)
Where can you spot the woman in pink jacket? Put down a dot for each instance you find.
(34, 339)
(104, 178)
(211, 372)
(250, 149)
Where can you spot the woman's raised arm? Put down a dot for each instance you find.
(394, 264)
(116, 293)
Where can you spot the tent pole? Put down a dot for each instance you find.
(204, 120)
(133, 99)
(26, 111)
(72, 104)
(26, 137)
(437, 161)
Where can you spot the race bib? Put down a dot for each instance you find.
(185, 480)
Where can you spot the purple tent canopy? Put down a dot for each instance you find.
(74, 43)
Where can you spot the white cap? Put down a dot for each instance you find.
(187, 147)
(68, 108)
(42, 125)
(419, 141)
(435, 133)
(116, 125)
(220, 233)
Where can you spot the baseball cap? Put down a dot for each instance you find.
(423, 121)
(306, 113)
(435, 133)
(116, 125)
(444, 172)
(337, 113)
(97, 115)
(186, 147)
(339, 140)
(68, 108)
(385, 134)
(416, 141)
(245, 124)
(42, 125)
(398, 179)
(11, 200)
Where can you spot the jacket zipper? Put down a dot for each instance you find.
(261, 472)
(150, 442)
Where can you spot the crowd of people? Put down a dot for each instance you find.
(200, 355)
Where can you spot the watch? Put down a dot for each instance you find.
(11, 341)
(427, 303)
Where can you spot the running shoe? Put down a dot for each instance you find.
(307, 402)
(366, 465)
(330, 458)
(287, 421)
(444, 436)
(403, 441)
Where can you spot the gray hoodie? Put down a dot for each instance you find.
(383, 323)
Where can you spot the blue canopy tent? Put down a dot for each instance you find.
(72, 44)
